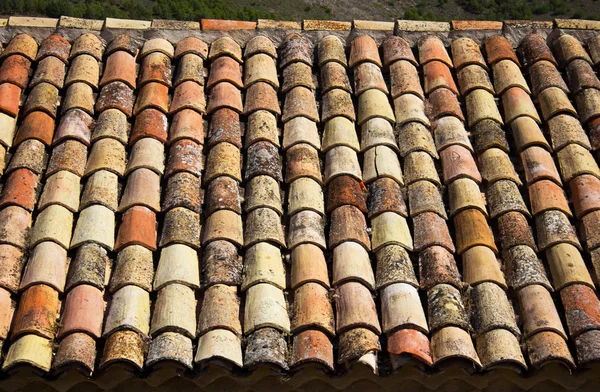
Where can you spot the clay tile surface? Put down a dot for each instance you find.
(191, 45)
(533, 48)
(223, 95)
(431, 48)
(154, 95)
(16, 70)
(396, 48)
(120, 66)
(37, 312)
(21, 189)
(436, 75)
(54, 45)
(261, 96)
(499, 48)
(22, 44)
(10, 99)
(116, 95)
(296, 49)
(122, 42)
(364, 49)
(465, 51)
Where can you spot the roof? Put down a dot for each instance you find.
(343, 204)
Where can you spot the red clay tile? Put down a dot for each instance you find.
(311, 308)
(12, 261)
(587, 346)
(581, 75)
(221, 264)
(312, 346)
(444, 103)
(437, 74)
(590, 229)
(75, 124)
(49, 70)
(15, 223)
(220, 24)
(548, 347)
(184, 156)
(432, 48)
(385, 195)
(533, 48)
(345, 190)
(22, 44)
(471, 230)
(347, 223)
(225, 69)
(187, 124)
(582, 308)
(10, 98)
(543, 75)
(355, 308)
(76, 350)
(15, 69)
(223, 194)
(37, 312)
(546, 195)
(397, 48)
(7, 309)
(138, 227)
(191, 45)
(182, 191)
(538, 164)
(122, 42)
(458, 162)
(430, 229)
(436, 266)
(21, 188)
(498, 48)
(156, 67)
(225, 128)
(585, 193)
(54, 45)
(261, 96)
(514, 230)
(119, 67)
(410, 342)
(143, 188)
(363, 49)
(155, 95)
(116, 95)
(84, 311)
(296, 49)
(149, 123)
(465, 51)
(225, 95)
(300, 102)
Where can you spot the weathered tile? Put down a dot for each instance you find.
(444, 103)
(419, 166)
(260, 68)
(586, 348)
(190, 69)
(260, 44)
(355, 308)
(223, 159)
(584, 194)
(30, 349)
(533, 49)
(464, 193)
(473, 77)
(568, 48)
(481, 106)
(221, 344)
(306, 227)
(340, 161)
(12, 261)
(554, 101)
(437, 75)
(37, 312)
(545, 195)
(43, 97)
(367, 76)
(224, 127)
(264, 192)
(381, 161)
(300, 101)
(538, 164)
(187, 95)
(266, 346)
(514, 230)
(96, 224)
(262, 158)
(8, 128)
(336, 103)
(503, 196)
(21, 189)
(343, 190)
(223, 225)
(116, 95)
(312, 346)
(83, 69)
(170, 347)
(397, 48)
(263, 264)
(385, 195)
(76, 350)
(588, 104)
(147, 153)
(432, 48)
(580, 76)
(516, 102)
(223, 193)
(134, 266)
(265, 307)
(331, 49)
(437, 265)
(45, 228)
(356, 343)
(507, 74)
(499, 48)
(424, 196)
(262, 224)
(156, 67)
(545, 75)
(491, 309)
(124, 347)
(351, 263)
(181, 226)
(184, 156)
(102, 188)
(221, 264)
(448, 131)
(445, 308)
(74, 124)
(364, 49)
(374, 103)
(538, 312)
(187, 124)
(178, 264)
(311, 309)
(129, 309)
(111, 123)
(174, 311)
(409, 107)
(499, 349)
(50, 70)
(182, 191)
(564, 130)
(333, 76)
(15, 223)
(348, 224)
(149, 123)
(546, 347)
(404, 79)
(191, 45)
(143, 189)
(90, 267)
(47, 265)
(523, 268)
(107, 154)
(465, 52)
(22, 44)
(496, 165)
(576, 160)
(338, 131)
(527, 133)
(401, 308)
(458, 162)
(7, 309)
(430, 229)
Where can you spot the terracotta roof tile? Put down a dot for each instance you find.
(499, 48)
(431, 48)
(191, 45)
(10, 98)
(16, 70)
(22, 44)
(568, 48)
(533, 48)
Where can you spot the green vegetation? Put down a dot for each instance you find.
(134, 9)
(522, 9)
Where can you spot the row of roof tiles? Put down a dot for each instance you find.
(140, 158)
